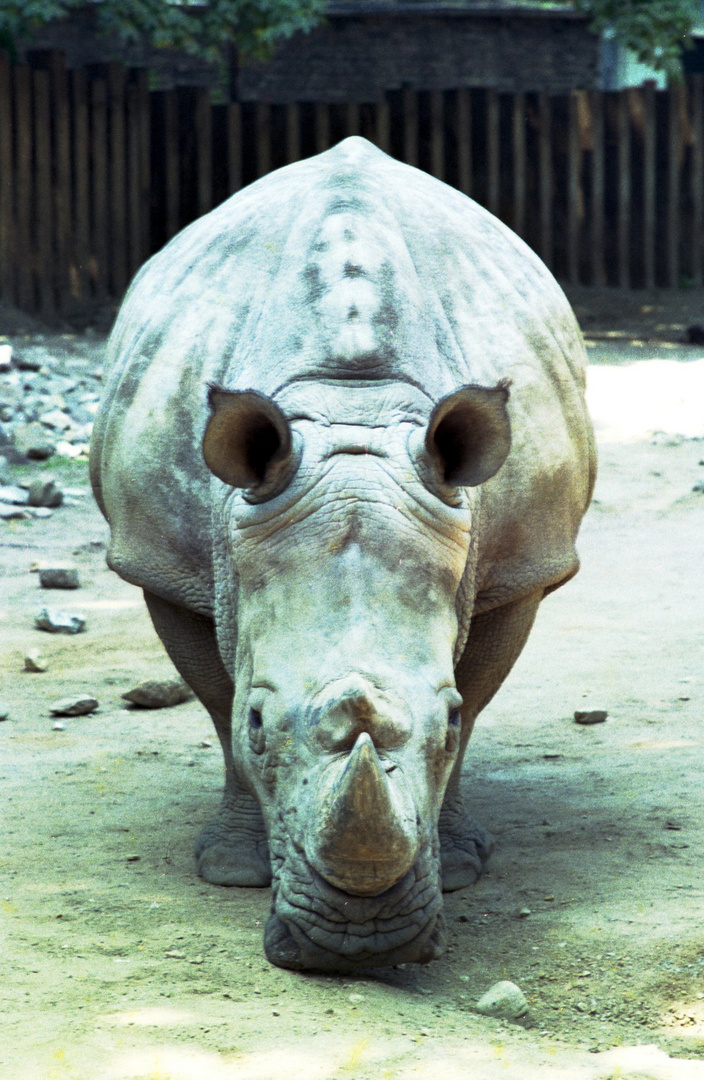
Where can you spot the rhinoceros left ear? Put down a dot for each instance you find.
(247, 441)
(469, 434)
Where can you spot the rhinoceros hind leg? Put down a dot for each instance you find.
(464, 846)
(233, 848)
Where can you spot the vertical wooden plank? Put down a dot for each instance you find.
(142, 241)
(234, 147)
(99, 187)
(45, 261)
(62, 176)
(204, 144)
(623, 227)
(81, 188)
(352, 119)
(134, 216)
(597, 235)
(649, 185)
(117, 78)
(464, 141)
(383, 126)
(172, 170)
(493, 152)
(545, 172)
(322, 127)
(574, 188)
(437, 134)
(410, 126)
(518, 134)
(696, 90)
(673, 185)
(262, 122)
(7, 169)
(24, 194)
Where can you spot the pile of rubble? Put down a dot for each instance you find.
(49, 393)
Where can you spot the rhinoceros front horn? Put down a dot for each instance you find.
(365, 836)
(247, 441)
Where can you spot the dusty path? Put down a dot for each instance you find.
(115, 961)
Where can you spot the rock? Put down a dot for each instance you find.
(159, 693)
(5, 357)
(11, 493)
(595, 716)
(4, 711)
(504, 1000)
(34, 661)
(699, 487)
(56, 419)
(28, 362)
(60, 622)
(33, 440)
(44, 492)
(58, 726)
(58, 577)
(80, 705)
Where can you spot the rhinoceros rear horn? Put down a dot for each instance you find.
(469, 434)
(247, 441)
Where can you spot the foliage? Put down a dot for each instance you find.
(199, 27)
(655, 30)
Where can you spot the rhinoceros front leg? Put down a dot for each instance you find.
(233, 848)
(495, 641)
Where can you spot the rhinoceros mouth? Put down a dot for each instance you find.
(314, 926)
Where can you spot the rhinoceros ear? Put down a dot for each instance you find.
(247, 441)
(469, 434)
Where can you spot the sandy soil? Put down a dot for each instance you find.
(117, 962)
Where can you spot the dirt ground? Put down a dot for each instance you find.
(117, 962)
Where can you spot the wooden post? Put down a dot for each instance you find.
(44, 221)
(437, 134)
(99, 195)
(24, 194)
(142, 243)
(352, 118)
(410, 126)
(649, 185)
(574, 189)
(546, 177)
(203, 119)
(262, 121)
(81, 187)
(322, 127)
(7, 169)
(623, 228)
(493, 152)
(134, 215)
(234, 147)
(696, 87)
(674, 142)
(464, 140)
(598, 232)
(383, 126)
(116, 80)
(172, 164)
(519, 163)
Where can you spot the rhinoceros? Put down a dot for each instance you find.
(343, 449)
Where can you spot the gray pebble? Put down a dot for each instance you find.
(595, 716)
(504, 1000)
(59, 622)
(33, 440)
(4, 711)
(10, 493)
(159, 693)
(80, 705)
(34, 661)
(44, 492)
(58, 577)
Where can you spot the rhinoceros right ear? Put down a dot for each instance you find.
(469, 434)
(247, 441)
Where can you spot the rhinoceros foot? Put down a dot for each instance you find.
(464, 847)
(233, 849)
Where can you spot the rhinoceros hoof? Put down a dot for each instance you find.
(464, 848)
(233, 848)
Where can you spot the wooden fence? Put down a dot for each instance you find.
(97, 172)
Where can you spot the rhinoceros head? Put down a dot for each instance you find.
(349, 541)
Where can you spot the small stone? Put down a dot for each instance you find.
(159, 693)
(24, 362)
(34, 661)
(10, 493)
(58, 577)
(4, 711)
(356, 999)
(595, 716)
(133, 858)
(5, 357)
(45, 492)
(504, 1000)
(58, 726)
(699, 487)
(524, 913)
(205, 744)
(60, 622)
(33, 440)
(80, 705)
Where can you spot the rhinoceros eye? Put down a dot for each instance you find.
(255, 726)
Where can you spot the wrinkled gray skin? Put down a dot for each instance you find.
(344, 450)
